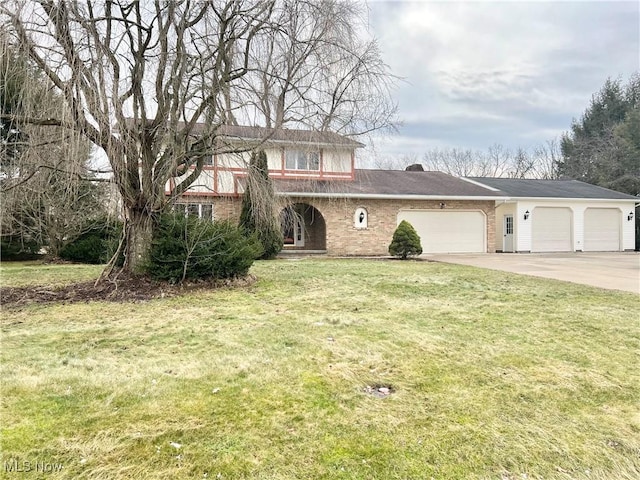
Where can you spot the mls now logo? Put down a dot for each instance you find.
(15, 465)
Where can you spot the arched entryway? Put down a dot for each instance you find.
(303, 228)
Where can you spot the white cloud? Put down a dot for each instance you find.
(510, 68)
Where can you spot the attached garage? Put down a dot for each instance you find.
(601, 230)
(565, 215)
(552, 229)
(446, 231)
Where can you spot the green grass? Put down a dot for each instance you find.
(23, 274)
(497, 376)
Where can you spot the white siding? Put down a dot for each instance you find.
(336, 160)
(225, 182)
(204, 183)
(233, 160)
(578, 208)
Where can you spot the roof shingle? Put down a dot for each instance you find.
(387, 183)
(285, 135)
(530, 188)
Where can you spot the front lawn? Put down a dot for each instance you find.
(490, 375)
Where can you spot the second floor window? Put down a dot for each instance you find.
(302, 160)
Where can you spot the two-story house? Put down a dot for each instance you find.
(341, 210)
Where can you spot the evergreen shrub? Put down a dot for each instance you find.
(187, 248)
(257, 216)
(17, 248)
(96, 245)
(405, 242)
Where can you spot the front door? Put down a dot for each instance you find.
(507, 231)
(293, 229)
(299, 232)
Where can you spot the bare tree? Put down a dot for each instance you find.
(151, 82)
(547, 155)
(395, 163)
(315, 70)
(455, 161)
(497, 161)
(49, 195)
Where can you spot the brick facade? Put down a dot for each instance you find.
(343, 238)
(226, 208)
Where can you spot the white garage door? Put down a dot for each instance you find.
(551, 229)
(601, 230)
(448, 231)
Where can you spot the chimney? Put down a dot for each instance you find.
(416, 167)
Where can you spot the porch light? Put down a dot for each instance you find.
(630, 216)
(526, 215)
(360, 220)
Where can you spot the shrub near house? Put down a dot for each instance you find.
(190, 248)
(406, 241)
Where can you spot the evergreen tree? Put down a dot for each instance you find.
(405, 242)
(603, 147)
(259, 207)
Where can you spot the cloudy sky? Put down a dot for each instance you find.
(515, 73)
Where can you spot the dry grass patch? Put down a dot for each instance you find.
(494, 375)
(24, 274)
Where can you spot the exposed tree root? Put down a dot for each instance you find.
(123, 288)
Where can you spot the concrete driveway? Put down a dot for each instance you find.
(615, 271)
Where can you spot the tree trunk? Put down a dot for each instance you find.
(139, 224)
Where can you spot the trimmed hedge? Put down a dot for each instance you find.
(405, 242)
(190, 248)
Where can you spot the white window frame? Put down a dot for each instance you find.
(308, 160)
(184, 207)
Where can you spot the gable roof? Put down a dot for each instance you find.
(388, 184)
(532, 188)
(290, 136)
(287, 135)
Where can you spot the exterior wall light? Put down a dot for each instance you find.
(526, 215)
(442, 205)
(630, 216)
(361, 218)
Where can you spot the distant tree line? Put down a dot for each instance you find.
(496, 161)
(602, 147)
